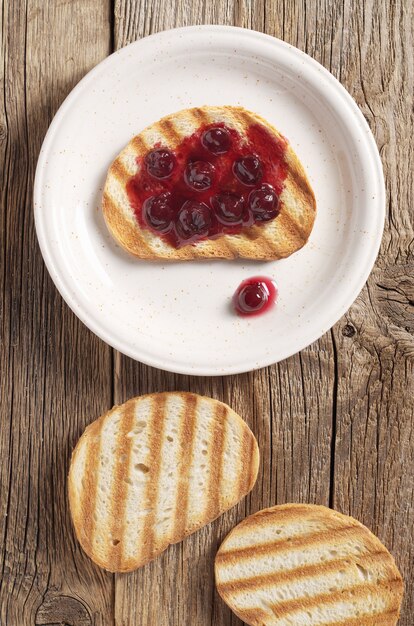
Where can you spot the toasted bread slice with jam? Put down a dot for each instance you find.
(264, 240)
(154, 470)
(306, 565)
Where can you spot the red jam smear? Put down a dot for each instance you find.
(258, 142)
(255, 296)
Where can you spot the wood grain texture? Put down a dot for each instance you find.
(374, 444)
(334, 423)
(54, 373)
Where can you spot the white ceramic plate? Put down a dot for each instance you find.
(178, 316)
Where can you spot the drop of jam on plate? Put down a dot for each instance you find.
(217, 140)
(215, 182)
(264, 203)
(255, 296)
(193, 220)
(199, 175)
(248, 170)
(160, 163)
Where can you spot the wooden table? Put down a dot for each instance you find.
(334, 423)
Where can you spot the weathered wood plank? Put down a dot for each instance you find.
(374, 454)
(55, 375)
(288, 406)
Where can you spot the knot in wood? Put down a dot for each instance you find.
(349, 330)
(62, 610)
(395, 294)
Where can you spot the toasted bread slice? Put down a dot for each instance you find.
(154, 470)
(297, 565)
(275, 239)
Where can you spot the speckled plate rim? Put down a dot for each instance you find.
(345, 105)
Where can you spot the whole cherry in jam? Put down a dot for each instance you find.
(193, 220)
(158, 212)
(216, 140)
(254, 296)
(248, 170)
(229, 207)
(264, 203)
(160, 163)
(199, 175)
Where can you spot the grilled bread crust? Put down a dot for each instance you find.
(307, 565)
(275, 239)
(153, 470)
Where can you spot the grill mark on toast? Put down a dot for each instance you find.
(380, 619)
(89, 492)
(269, 244)
(139, 145)
(119, 172)
(187, 436)
(245, 119)
(280, 609)
(254, 464)
(120, 488)
(284, 545)
(125, 232)
(168, 129)
(218, 437)
(303, 188)
(232, 247)
(298, 511)
(300, 182)
(254, 233)
(251, 233)
(156, 433)
(291, 225)
(258, 617)
(306, 571)
(199, 115)
(246, 463)
(222, 249)
(269, 517)
(257, 234)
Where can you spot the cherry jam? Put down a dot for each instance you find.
(214, 182)
(255, 296)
